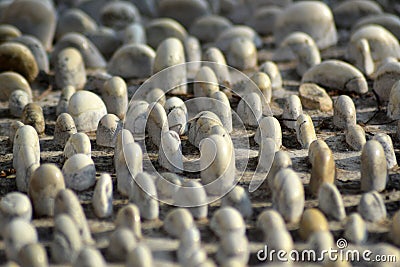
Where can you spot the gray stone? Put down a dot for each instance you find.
(162, 28)
(102, 200)
(291, 111)
(129, 217)
(170, 152)
(18, 100)
(115, 96)
(33, 255)
(344, 112)
(227, 220)
(385, 79)
(250, 109)
(14, 205)
(78, 143)
(355, 137)
(272, 70)
(17, 234)
(74, 20)
(347, 13)
(64, 129)
(207, 28)
(387, 146)
(372, 207)
(305, 130)
(118, 15)
(37, 49)
(107, 131)
(32, 114)
(373, 167)
(79, 172)
(89, 256)
(177, 221)
(330, 202)
(63, 102)
(121, 242)
(238, 199)
(135, 33)
(70, 69)
(192, 195)
(143, 193)
(242, 54)
(355, 229)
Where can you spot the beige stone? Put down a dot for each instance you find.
(314, 97)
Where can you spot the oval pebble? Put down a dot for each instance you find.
(373, 167)
(64, 129)
(233, 245)
(207, 28)
(291, 111)
(385, 79)
(272, 70)
(168, 184)
(162, 28)
(129, 217)
(115, 96)
(330, 202)
(242, 54)
(177, 221)
(66, 93)
(355, 229)
(140, 256)
(227, 220)
(170, 153)
(344, 112)
(18, 100)
(371, 207)
(33, 255)
(37, 50)
(118, 15)
(270, 221)
(107, 131)
(346, 14)
(12, 81)
(78, 143)
(122, 241)
(70, 69)
(74, 20)
(238, 199)
(89, 256)
(79, 172)
(305, 130)
(32, 114)
(355, 137)
(192, 195)
(215, 59)
(14, 205)
(102, 200)
(250, 109)
(17, 234)
(144, 194)
(312, 221)
(387, 145)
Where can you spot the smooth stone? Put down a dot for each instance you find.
(106, 40)
(14, 205)
(66, 240)
(129, 217)
(184, 11)
(132, 61)
(207, 28)
(90, 54)
(18, 100)
(330, 202)
(162, 28)
(272, 70)
(269, 127)
(305, 130)
(217, 164)
(177, 115)
(70, 69)
(121, 242)
(78, 143)
(107, 131)
(387, 144)
(321, 241)
(346, 77)
(250, 109)
(344, 112)
(170, 53)
(170, 152)
(136, 118)
(389, 21)
(201, 126)
(222, 108)
(234, 246)
(74, 20)
(227, 220)
(395, 228)
(26, 155)
(355, 137)
(238, 199)
(263, 83)
(242, 54)
(270, 221)
(135, 33)
(67, 202)
(374, 174)
(372, 207)
(143, 193)
(347, 13)
(14, 126)
(215, 59)
(192, 54)
(32, 114)
(355, 229)
(118, 15)
(37, 49)
(314, 97)
(115, 96)
(64, 129)
(17, 57)
(225, 38)
(12, 81)
(264, 19)
(156, 95)
(190, 242)
(323, 165)
(89, 256)
(288, 195)
(102, 200)
(312, 221)
(157, 123)
(63, 102)
(79, 172)
(25, 13)
(291, 111)
(17, 234)
(177, 221)
(266, 154)
(312, 18)
(91, 7)
(281, 161)
(168, 184)
(197, 258)
(33, 255)
(44, 185)
(279, 240)
(393, 107)
(205, 84)
(140, 256)
(193, 196)
(128, 163)
(87, 109)
(8, 32)
(385, 79)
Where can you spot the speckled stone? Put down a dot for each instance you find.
(63, 102)
(79, 172)
(136, 118)
(311, 222)
(207, 28)
(77, 143)
(344, 112)
(157, 123)
(374, 174)
(192, 195)
(291, 111)
(14, 205)
(32, 114)
(14, 126)
(242, 54)
(102, 200)
(143, 193)
(18, 100)
(66, 240)
(44, 185)
(107, 131)
(132, 61)
(33, 255)
(162, 28)
(86, 108)
(17, 234)
(385, 79)
(17, 57)
(70, 69)
(177, 221)
(355, 229)
(314, 97)
(387, 145)
(89, 256)
(250, 109)
(64, 129)
(177, 115)
(305, 130)
(355, 137)
(170, 152)
(372, 207)
(12, 81)
(129, 217)
(238, 199)
(330, 202)
(74, 20)
(118, 15)
(227, 220)
(37, 49)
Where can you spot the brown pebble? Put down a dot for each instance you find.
(312, 221)
(33, 115)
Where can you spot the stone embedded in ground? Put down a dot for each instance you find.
(291, 111)
(79, 172)
(160, 29)
(33, 254)
(177, 115)
(311, 222)
(64, 129)
(17, 234)
(140, 256)
(37, 49)
(242, 54)
(32, 114)
(372, 207)
(136, 118)
(233, 246)
(143, 193)
(305, 130)
(156, 95)
(222, 108)
(107, 131)
(355, 229)
(270, 221)
(102, 200)
(207, 28)
(8, 32)
(192, 54)
(281, 161)
(272, 70)
(177, 221)
(89, 256)
(17, 102)
(374, 174)
(347, 13)
(14, 205)
(393, 107)
(269, 127)
(135, 34)
(78, 143)
(170, 152)
(263, 83)
(344, 113)
(266, 154)
(12, 81)
(385, 78)
(314, 97)
(225, 39)
(218, 65)
(118, 15)
(190, 242)
(14, 126)
(121, 242)
(74, 20)
(129, 217)
(355, 137)
(330, 202)
(63, 102)
(250, 109)
(168, 184)
(264, 19)
(227, 220)
(205, 84)
(70, 69)
(192, 195)
(157, 123)
(238, 199)
(387, 145)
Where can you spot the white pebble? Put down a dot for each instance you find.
(291, 111)
(102, 200)
(177, 221)
(144, 195)
(344, 112)
(115, 96)
(78, 143)
(170, 152)
(372, 207)
(305, 130)
(129, 217)
(193, 196)
(79, 172)
(107, 130)
(17, 234)
(250, 109)
(227, 220)
(238, 199)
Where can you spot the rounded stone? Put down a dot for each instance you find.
(157, 123)
(12, 81)
(225, 39)
(64, 129)
(33, 255)
(118, 15)
(387, 145)
(305, 130)
(222, 108)
(227, 220)
(144, 194)
(218, 65)
(17, 234)
(207, 28)
(347, 13)
(355, 137)
(269, 127)
(270, 221)
(168, 184)
(281, 161)
(8, 32)
(344, 113)
(115, 96)
(74, 20)
(33, 115)
(14, 205)
(63, 102)
(170, 152)
(70, 69)
(291, 111)
(313, 18)
(129, 217)
(242, 54)
(107, 131)
(250, 109)
(162, 28)
(330, 202)
(78, 143)
(312, 221)
(355, 229)
(132, 61)
(373, 167)
(385, 79)
(135, 34)
(44, 185)
(89, 256)
(18, 100)
(177, 221)
(395, 228)
(372, 207)
(192, 195)
(17, 57)
(102, 200)
(205, 83)
(238, 199)
(136, 118)
(156, 95)
(37, 49)
(264, 19)
(14, 126)
(389, 21)
(86, 108)
(272, 70)
(233, 246)
(140, 256)
(314, 97)
(106, 40)
(79, 172)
